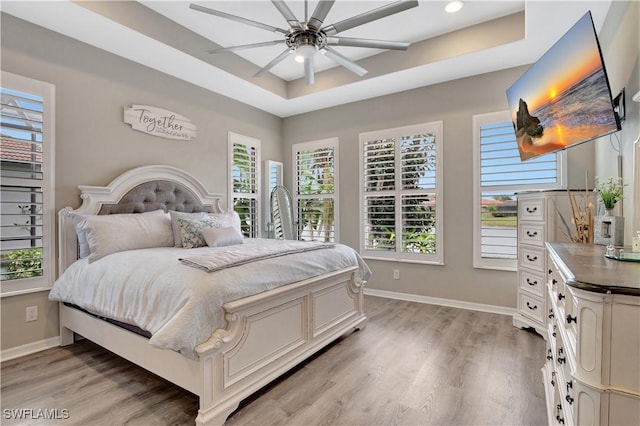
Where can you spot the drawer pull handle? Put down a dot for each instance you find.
(559, 410)
(533, 308)
(532, 234)
(549, 357)
(560, 296)
(562, 360)
(569, 399)
(532, 210)
(532, 259)
(554, 281)
(569, 386)
(532, 282)
(551, 313)
(550, 271)
(570, 318)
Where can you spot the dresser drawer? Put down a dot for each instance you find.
(531, 233)
(531, 257)
(531, 209)
(532, 306)
(531, 282)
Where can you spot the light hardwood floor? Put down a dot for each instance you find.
(414, 364)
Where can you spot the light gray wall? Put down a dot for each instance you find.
(454, 103)
(620, 43)
(93, 145)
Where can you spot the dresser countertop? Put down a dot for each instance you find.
(586, 268)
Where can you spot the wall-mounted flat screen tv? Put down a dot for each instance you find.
(564, 98)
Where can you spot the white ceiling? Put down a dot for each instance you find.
(427, 20)
(545, 22)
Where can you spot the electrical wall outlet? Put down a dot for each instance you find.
(396, 274)
(31, 313)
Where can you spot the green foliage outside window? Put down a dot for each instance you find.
(418, 233)
(22, 263)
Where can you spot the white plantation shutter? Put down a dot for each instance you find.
(26, 148)
(401, 206)
(245, 182)
(316, 184)
(500, 174)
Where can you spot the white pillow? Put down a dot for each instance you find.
(220, 237)
(108, 234)
(226, 219)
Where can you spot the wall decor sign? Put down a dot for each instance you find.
(159, 122)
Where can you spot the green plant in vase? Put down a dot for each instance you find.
(609, 192)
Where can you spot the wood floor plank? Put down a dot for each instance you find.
(414, 364)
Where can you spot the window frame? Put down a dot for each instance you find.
(319, 144)
(47, 92)
(398, 132)
(493, 263)
(235, 138)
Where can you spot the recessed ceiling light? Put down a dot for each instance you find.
(454, 6)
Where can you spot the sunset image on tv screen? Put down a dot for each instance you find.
(564, 98)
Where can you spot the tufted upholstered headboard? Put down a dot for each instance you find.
(155, 195)
(139, 190)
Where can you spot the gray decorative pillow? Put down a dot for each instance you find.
(177, 238)
(83, 244)
(221, 237)
(191, 231)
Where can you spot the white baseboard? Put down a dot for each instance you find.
(29, 348)
(442, 302)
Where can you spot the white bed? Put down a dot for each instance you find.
(264, 334)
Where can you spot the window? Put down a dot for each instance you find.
(401, 187)
(244, 183)
(27, 197)
(498, 175)
(316, 189)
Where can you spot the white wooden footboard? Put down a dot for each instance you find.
(267, 334)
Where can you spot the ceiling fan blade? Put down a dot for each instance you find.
(320, 13)
(369, 16)
(281, 57)
(344, 61)
(246, 46)
(309, 74)
(237, 18)
(287, 13)
(361, 42)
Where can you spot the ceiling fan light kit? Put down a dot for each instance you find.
(309, 37)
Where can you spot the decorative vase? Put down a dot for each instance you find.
(608, 229)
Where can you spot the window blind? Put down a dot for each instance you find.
(502, 174)
(400, 179)
(22, 189)
(315, 189)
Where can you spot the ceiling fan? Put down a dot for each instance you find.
(309, 37)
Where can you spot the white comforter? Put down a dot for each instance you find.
(179, 305)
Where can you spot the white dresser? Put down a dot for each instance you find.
(592, 369)
(538, 222)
